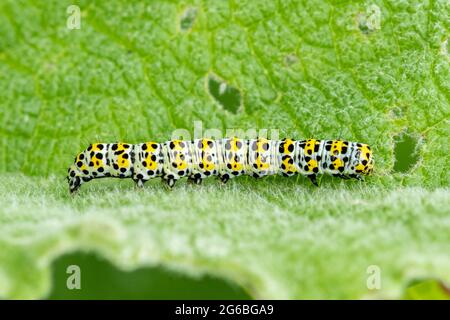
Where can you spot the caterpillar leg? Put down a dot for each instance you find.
(139, 179)
(169, 179)
(313, 179)
(170, 182)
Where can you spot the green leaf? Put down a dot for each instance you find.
(373, 72)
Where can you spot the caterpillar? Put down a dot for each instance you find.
(226, 158)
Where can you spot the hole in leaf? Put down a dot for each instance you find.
(370, 20)
(187, 19)
(405, 151)
(227, 96)
(99, 279)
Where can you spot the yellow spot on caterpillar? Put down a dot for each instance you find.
(123, 163)
(261, 143)
(95, 147)
(338, 163)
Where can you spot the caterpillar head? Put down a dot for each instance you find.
(364, 159)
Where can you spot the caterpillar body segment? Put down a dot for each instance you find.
(226, 158)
